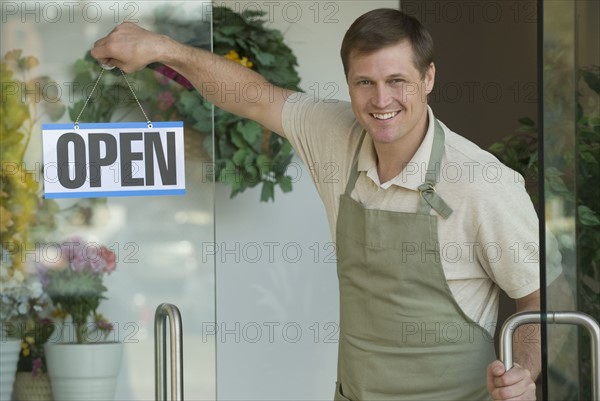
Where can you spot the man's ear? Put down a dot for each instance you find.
(429, 79)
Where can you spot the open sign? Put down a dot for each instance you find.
(113, 159)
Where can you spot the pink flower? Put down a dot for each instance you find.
(109, 258)
(73, 251)
(161, 78)
(94, 258)
(36, 366)
(103, 324)
(165, 100)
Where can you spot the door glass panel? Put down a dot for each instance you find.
(570, 158)
(157, 240)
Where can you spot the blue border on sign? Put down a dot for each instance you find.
(108, 194)
(159, 124)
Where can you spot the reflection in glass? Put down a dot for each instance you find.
(158, 241)
(571, 135)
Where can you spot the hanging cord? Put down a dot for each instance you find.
(94, 88)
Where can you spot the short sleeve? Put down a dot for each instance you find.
(325, 135)
(508, 236)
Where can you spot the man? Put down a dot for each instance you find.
(419, 217)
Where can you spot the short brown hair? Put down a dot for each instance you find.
(386, 27)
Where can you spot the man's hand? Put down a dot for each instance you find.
(130, 47)
(516, 384)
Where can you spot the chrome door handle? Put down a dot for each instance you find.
(580, 319)
(171, 312)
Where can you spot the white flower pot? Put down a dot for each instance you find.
(9, 356)
(82, 372)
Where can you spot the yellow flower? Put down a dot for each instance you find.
(59, 314)
(5, 219)
(245, 62)
(234, 56)
(25, 348)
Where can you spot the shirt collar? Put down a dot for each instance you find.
(413, 174)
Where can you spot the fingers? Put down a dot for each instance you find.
(512, 377)
(104, 49)
(496, 368)
(515, 383)
(523, 391)
(128, 47)
(100, 51)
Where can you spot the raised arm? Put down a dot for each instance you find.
(226, 84)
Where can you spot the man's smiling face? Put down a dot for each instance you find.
(389, 97)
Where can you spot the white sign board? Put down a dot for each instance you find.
(113, 159)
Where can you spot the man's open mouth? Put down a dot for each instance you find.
(384, 116)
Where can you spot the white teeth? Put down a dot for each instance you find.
(385, 116)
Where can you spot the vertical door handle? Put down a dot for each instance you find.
(580, 319)
(170, 312)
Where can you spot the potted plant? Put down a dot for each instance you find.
(84, 365)
(22, 303)
(73, 281)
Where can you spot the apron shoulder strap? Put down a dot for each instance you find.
(352, 180)
(354, 170)
(428, 198)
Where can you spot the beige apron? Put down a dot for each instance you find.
(402, 334)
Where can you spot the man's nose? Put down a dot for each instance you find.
(382, 96)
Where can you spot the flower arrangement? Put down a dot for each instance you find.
(22, 298)
(24, 312)
(22, 209)
(74, 283)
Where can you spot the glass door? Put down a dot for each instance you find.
(570, 157)
(157, 241)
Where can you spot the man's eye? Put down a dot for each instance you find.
(364, 82)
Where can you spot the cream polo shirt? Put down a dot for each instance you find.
(489, 242)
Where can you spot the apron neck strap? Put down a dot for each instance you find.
(352, 179)
(354, 171)
(428, 198)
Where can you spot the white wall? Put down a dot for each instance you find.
(277, 290)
